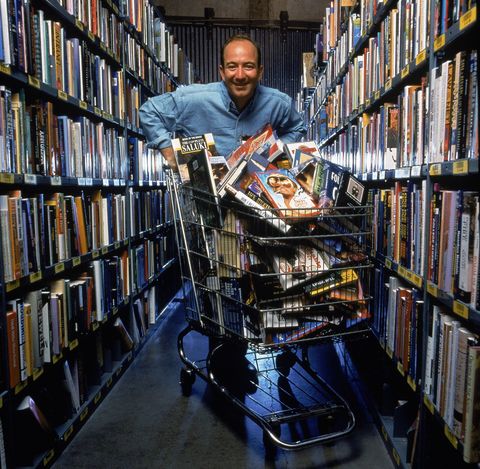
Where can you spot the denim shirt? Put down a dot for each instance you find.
(199, 109)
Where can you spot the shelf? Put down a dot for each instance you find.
(58, 181)
(408, 275)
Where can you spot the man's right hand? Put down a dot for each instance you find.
(169, 156)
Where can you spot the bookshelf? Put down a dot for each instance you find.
(397, 104)
(86, 231)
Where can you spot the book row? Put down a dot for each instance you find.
(454, 243)
(147, 210)
(452, 379)
(40, 231)
(147, 163)
(36, 139)
(397, 319)
(44, 322)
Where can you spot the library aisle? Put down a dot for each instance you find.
(146, 422)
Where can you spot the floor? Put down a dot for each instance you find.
(146, 422)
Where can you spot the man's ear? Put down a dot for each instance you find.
(260, 72)
(220, 70)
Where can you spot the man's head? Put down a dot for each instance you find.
(241, 68)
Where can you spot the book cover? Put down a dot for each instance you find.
(186, 147)
(304, 148)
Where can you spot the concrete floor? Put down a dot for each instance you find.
(145, 422)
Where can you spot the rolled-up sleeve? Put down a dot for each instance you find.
(293, 128)
(158, 117)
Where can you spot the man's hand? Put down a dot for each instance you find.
(169, 155)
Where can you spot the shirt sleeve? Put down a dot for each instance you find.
(158, 117)
(292, 128)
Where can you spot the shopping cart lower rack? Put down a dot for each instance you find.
(263, 288)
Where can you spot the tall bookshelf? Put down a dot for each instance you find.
(397, 104)
(86, 233)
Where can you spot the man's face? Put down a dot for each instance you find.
(240, 71)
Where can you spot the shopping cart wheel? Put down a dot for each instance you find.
(187, 378)
(269, 445)
(284, 361)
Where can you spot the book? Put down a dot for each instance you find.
(304, 148)
(471, 448)
(185, 148)
(334, 279)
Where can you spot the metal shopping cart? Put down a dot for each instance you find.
(272, 286)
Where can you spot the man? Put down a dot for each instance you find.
(232, 109)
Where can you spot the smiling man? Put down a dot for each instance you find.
(236, 107)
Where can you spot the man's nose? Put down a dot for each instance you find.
(240, 73)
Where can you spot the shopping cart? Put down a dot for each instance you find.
(271, 286)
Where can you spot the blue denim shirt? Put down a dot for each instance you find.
(198, 109)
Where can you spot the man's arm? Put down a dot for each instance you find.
(293, 128)
(169, 155)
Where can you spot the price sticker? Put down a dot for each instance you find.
(405, 71)
(105, 250)
(12, 285)
(421, 57)
(73, 344)
(388, 263)
(377, 95)
(367, 102)
(76, 261)
(97, 397)
(428, 404)
(5, 69)
(37, 372)
(450, 436)
(460, 309)
(59, 267)
(95, 254)
(68, 433)
(7, 178)
(34, 81)
(62, 95)
(116, 244)
(396, 456)
(83, 105)
(97, 111)
(56, 181)
(417, 280)
(460, 167)
(20, 387)
(402, 271)
(84, 415)
(35, 277)
(439, 42)
(400, 369)
(105, 114)
(30, 178)
(48, 457)
(79, 25)
(103, 46)
(95, 326)
(432, 289)
(435, 169)
(388, 84)
(57, 358)
(468, 18)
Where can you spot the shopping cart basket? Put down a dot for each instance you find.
(271, 285)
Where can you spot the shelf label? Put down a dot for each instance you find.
(21, 386)
(117, 373)
(411, 383)
(103, 46)
(117, 244)
(428, 404)
(73, 344)
(83, 105)
(79, 25)
(388, 84)
(12, 285)
(95, 253)
(84, 415)
(97, 397)
(97, 111)
(367, 102)
(421, 57)
(59, 267)
(91, 36)
(402, 271)
(377, 95)
(114, 311)
(49, 456)
(37, 372)
(115, 8)
(402, 173)
(35, 277)
(460, 309)
(417, 280)
(396, 456)
(109, 382)
(30, 178)
(435, 169)
(56, 181)
(400, 368)
(116, 182)
(88, 182)
(76, 261)
(34, 81)
(68, 433)
(374, 176)
(95, 325)
(405, 71)
(384, 433)
(468, 18)
(81, 181)
(450, 436)
(388, 263)
(105, 250)
(416, 171)
(7, 178)
(62, 95)
(389, 351)
(460, 167)
(57, 358)
(5, 69)
(105, 182)
(439, 42)
(432, 289)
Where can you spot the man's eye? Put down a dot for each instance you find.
(231, 67)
